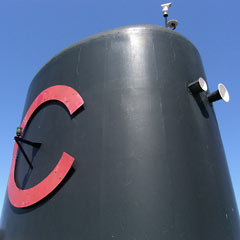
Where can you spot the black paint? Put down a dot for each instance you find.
(149, 165)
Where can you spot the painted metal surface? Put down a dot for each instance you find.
(24, 198)
(149, 160)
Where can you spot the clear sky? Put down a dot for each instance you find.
(33, 31)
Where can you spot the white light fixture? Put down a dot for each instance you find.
(198, 86)
(221, 93)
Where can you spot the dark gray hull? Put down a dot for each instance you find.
(149, 161)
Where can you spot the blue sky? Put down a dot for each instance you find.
(33, 31)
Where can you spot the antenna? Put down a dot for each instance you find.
(168, 24)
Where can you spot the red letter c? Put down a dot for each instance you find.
(26, 197)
